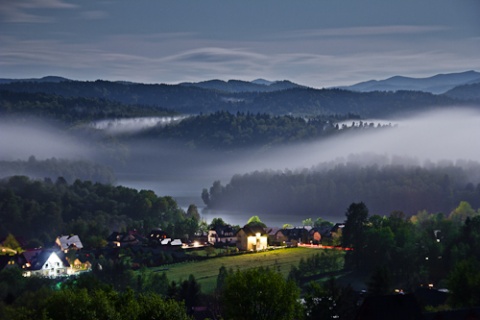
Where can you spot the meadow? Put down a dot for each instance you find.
(206, 271)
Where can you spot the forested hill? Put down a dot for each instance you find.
(70, 109)
(53, 168)
(223, 130)
(195, 100)
(38, 211)
(466, 92)
(329, 191)
(243, 86)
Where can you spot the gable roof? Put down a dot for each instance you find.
(225, 231)
(123, 237)
(294, 233)
(253, 230)
(66, 242)
(37, 258)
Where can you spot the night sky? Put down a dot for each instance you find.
(317, 43)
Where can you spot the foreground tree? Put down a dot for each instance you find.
(328, 300)
(258, 294)
(255, 221)
(464, 284)
(354, 233)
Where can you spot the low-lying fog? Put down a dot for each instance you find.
(133, 125)
(434, 136)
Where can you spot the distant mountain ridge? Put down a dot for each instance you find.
(233, 86)
(437, 84)
(469, 91)
(278, 98)
(54, 79)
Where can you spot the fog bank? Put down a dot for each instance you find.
(133, 125)
(171, 169)
(426, 139)
(20, 139)
(440, 135)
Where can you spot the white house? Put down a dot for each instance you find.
(46, 264)
(252, 238)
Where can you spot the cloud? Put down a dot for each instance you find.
(24, 11)
(366, 31)
(173, 57)
(216, 55)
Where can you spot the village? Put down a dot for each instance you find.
(68, 257)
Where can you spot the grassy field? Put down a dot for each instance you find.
(206, 271)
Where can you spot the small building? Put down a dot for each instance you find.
(252, 238)
(79, 265)
(123, 239)
(222, 235)
(45, 263)
(271, 235)
(292, 236)
(66, 243)
(315, 235)
(8, 261)
(156, 237)
(331, 235)
(176, 242)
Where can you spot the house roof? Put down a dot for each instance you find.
(273, 231)
(29, 255)
(253, 230)
(41, 256)
(226, 230)
(123, 237)
(294, 232)
(66, 242)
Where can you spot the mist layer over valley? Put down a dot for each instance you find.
(438, 140)
(442, 142)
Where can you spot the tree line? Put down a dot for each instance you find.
(326, 191)
(224, 130)
(53, 168)
(391, 251)
(40, 210)
(397, 251)
(72, 109)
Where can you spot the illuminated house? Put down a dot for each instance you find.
(44, 263)
(157, 236)
(123, 239)
(252, 238)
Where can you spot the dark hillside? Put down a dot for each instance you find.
(465, 92)
(194, 100)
